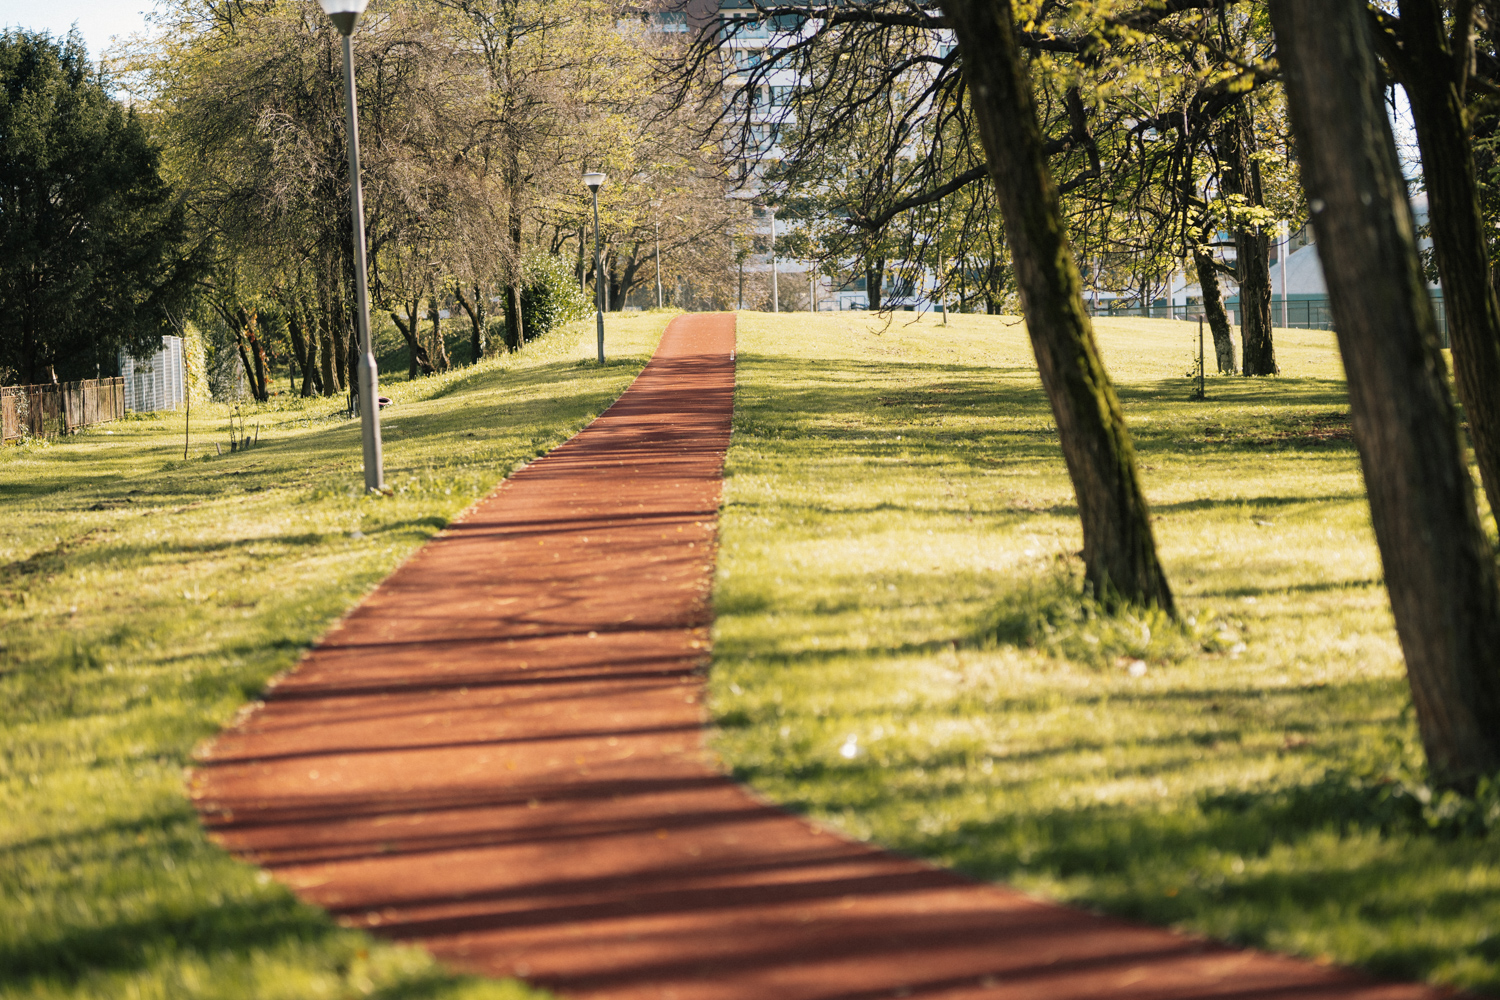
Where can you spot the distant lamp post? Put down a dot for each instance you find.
(594, 180)
(345, 15)
(775, 297)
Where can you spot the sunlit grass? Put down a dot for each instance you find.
(144, 598)
(901, 650)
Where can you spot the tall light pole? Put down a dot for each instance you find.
(1286, 243)
(775, 299)
(345, 15)
(594, 180)
(657, 206)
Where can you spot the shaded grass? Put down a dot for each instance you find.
(144, 598)
(898, 573)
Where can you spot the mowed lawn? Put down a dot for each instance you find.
(901, 650)
(144, 599)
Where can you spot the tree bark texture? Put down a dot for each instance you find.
(479, 344)
(439, 352)
(410, 327)
(875, 283)
(1252, 245)
(1439, 569)
(1213, 310)
(304, 347)
(1457, 230)
(1119, 550)
(328, 358)
(252, 352)
(511, 297)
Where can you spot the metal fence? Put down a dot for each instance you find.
(1310, 313)
(50, 410)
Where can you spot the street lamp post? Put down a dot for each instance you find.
(594, 180)
(345, 16)
(775, 299)
(656, 206)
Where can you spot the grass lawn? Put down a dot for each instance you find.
(144, 599)
(901, 651)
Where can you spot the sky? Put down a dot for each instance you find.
(98, 20)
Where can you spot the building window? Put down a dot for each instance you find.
(670, 21)
(748, 58)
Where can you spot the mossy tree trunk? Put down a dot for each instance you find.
(1431, 75)
(1119, 551)
(1439, 568)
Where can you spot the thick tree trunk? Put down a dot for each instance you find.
(875, 282)
(1457, 230)
(1213, 309)
(1252, 245)
(514, 335)
(1439, 569)
(1119, 551)
(439, 352)
(327, 357)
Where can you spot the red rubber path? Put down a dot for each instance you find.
(499, 754)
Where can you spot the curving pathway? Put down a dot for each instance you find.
(499, 754)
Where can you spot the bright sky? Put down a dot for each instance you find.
(98, 20)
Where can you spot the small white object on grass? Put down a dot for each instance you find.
(850, 749)
(1138, 668)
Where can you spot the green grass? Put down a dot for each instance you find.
(144, 598)
(898, 582)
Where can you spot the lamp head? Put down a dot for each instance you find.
(344, 13)
(594, 179)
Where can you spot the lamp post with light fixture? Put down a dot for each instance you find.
(595, 180)
(345, 16)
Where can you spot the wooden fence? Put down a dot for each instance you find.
(49, 410)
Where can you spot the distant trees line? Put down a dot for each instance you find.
(477, 118)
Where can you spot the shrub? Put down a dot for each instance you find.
(551, 296)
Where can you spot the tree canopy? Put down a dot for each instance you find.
(92, 240)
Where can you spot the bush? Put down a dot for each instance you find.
(551, 296)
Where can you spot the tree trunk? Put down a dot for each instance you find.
(1213, 309)
(874, 282)
(514, 334)
(327, 357)
(1119, 551)
(303, 348)
(439, 352)
(419, 362)
(1439, 569)
(478, 336)
(1252, 245)
(338, 330)
(252, 353)
(1457, 230)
